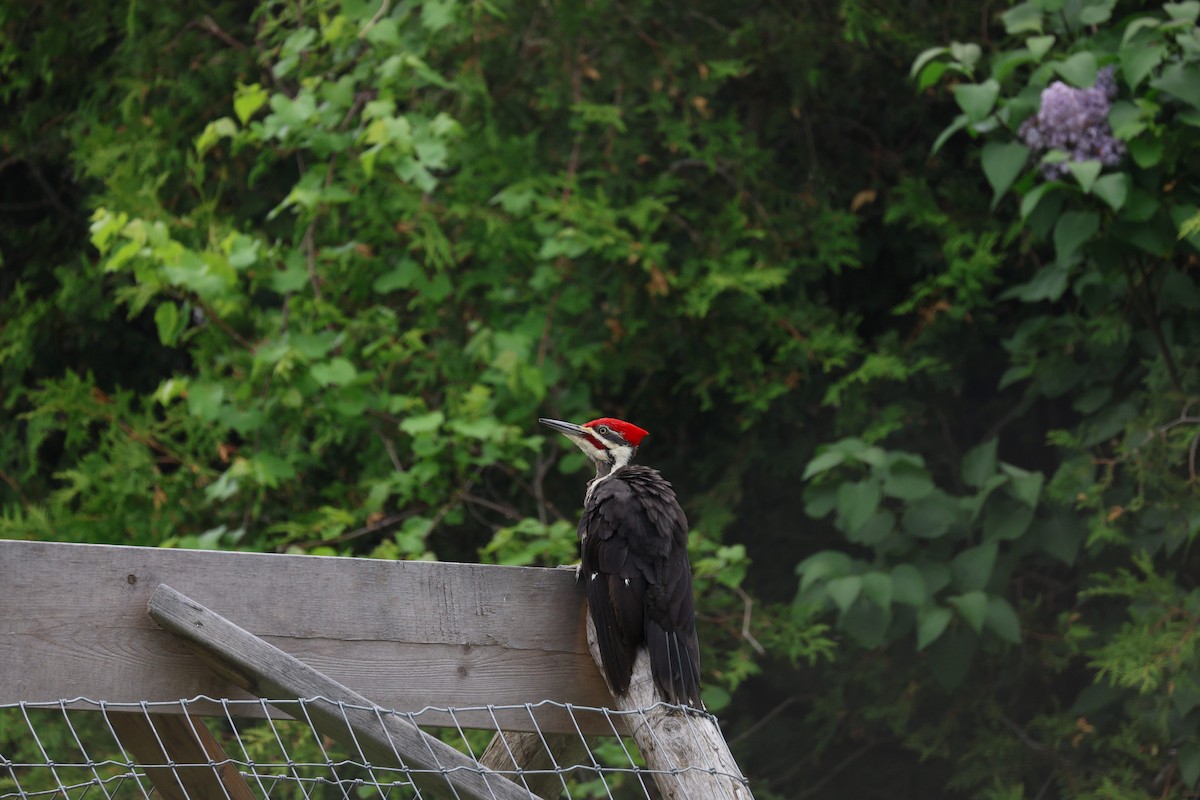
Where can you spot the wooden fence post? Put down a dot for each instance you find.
(512, 750)
(687, 750)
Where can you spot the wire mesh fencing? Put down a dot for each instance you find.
(289, 749)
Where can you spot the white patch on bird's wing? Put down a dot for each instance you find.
(627, 581)
(594, 574)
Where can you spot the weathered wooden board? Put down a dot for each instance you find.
(407, 635)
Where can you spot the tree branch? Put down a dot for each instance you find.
(1139, 292)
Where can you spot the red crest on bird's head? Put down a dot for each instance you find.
(632, 433)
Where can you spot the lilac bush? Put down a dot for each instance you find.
(1076, 122)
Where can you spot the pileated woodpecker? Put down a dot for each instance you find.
(633, 542)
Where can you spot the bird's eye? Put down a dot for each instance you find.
(602, 429)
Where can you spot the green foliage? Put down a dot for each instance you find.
(934, 556)
(1098, 324)
(302, 278)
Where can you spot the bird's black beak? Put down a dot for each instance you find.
(566, 428)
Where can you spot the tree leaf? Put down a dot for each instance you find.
(972, 607)
(335, 372)
(1139, 58)
(1180, 81)
(844, 591)
(1186, 11)
(1146, 150)
(1030, 201)
(977, 99)
(248, 100)
(1086, 173)
(825, 564)
(1026, 485)
(293, 276)
(1006, 519)
(931, 623)
(908, 585)
(972, 568)
(936, 575)
(204, 400)
(270, 470)
(1022, 18)
(1181, 291)
(823, 463)
(979, 463)
(166, 320)
(1074, 228)
(1079, 70)
(715, 698)
(924, 58)
(1126, 119)
(960, 122)
(213, 132)
(931, 75)
(1113, 189)
(966, 53)
(867, 624)
(437, 14)
(856, 503)
(1006, 64)
(384, 33)
(1039, 45)
(907, 480)
(422, 423)
(976, 503)
(1096, 13)
(1189, 763)
(1138, 25)
(877, 587)
(1002, 620)
(1141, 206)
(931, 516)
(819, 499)
(875, 530)
(405, 275)
(312, 346)
(1002, 163)
(1048, 284)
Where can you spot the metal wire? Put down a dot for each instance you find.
(236, 749)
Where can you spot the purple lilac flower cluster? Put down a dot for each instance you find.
(1076, 122)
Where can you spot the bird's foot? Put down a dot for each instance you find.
(576, 568)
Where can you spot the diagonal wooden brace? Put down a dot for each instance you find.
(384, 739)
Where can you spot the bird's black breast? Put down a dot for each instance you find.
(633, 538)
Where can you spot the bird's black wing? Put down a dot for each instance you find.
(634, 543)
(616, 587)
(670, 616)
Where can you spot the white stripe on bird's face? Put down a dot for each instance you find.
(615, 457)
(619, 455)
(612, 454)
(594, 453)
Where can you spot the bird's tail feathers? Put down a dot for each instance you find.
(675, 666)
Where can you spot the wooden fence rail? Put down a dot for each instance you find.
(408, 635)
